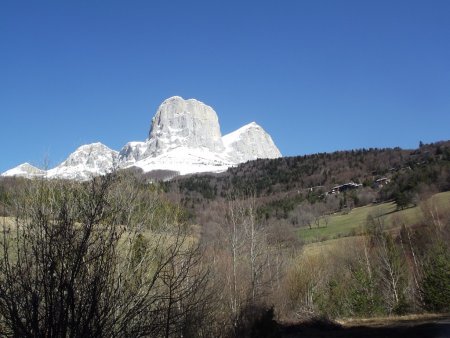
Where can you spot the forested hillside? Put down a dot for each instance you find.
(284, 184)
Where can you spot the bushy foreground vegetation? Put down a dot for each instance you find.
(113, 258)
(100, 259)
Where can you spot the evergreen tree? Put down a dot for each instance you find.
(436, 281)
(364, 296)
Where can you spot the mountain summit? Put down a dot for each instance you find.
(184, 137)
(184, 123)
(86, 161)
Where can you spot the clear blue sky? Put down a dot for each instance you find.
(317, 75)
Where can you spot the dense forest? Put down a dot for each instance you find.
(222, 255)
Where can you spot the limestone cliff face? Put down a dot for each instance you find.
(131, 153)
(184, 123)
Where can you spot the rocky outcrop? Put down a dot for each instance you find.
(131, 153)
(184, 123)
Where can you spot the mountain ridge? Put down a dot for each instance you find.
(184, 137)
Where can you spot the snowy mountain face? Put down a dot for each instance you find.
(184, 137)
(250, 143)
(131, 153)
(25, 170)
(85, 162)
(186, 160)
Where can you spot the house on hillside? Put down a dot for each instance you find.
(381, 182)
(344, 187)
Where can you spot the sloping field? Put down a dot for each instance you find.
(351, 224)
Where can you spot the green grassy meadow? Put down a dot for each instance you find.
(352, 223)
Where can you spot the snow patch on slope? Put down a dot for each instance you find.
(186, 160)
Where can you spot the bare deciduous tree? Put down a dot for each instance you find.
(247, 253)
(390, 264)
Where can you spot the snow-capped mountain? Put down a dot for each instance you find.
(25, 170)
(249, 143)
(86, 161)
(184, 137)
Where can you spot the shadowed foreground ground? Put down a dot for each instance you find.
(430, 328)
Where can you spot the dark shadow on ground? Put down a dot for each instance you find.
(327, 329)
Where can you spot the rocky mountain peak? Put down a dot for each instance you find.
(89, 155)
(184, 123)
(86, 161)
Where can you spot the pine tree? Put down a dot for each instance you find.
(436, 281)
